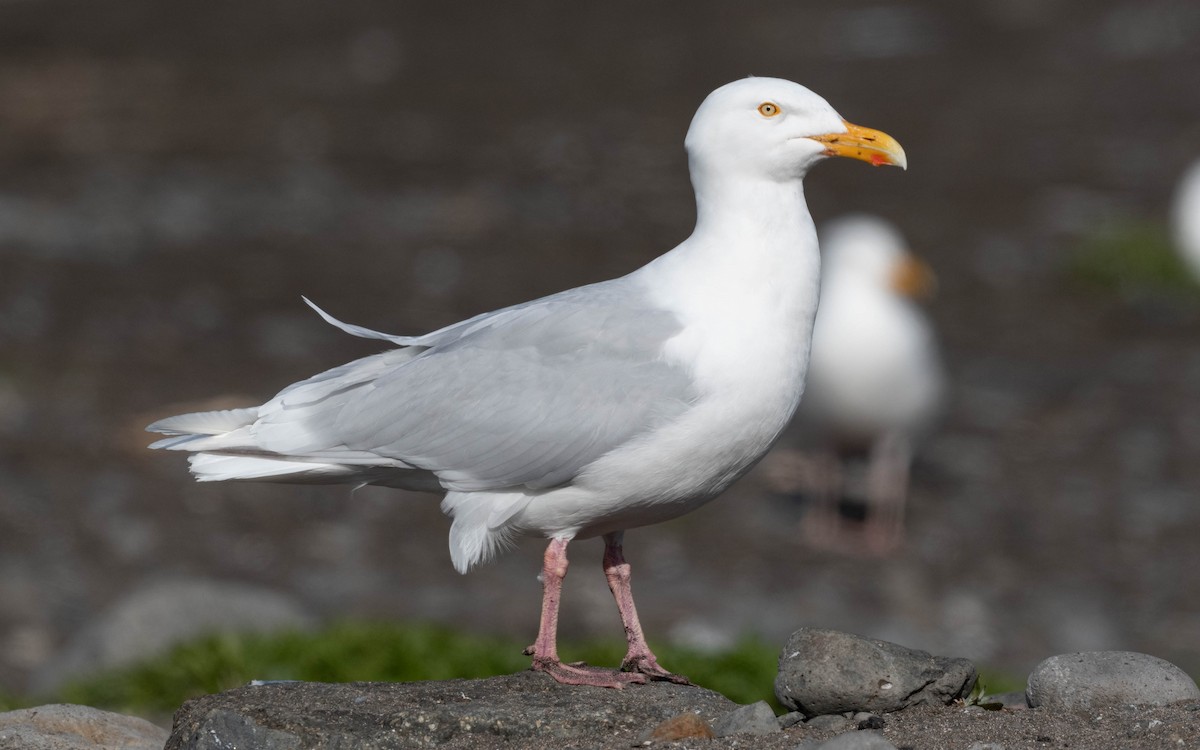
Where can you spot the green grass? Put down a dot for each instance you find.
(1133, 258)
(993, 682)
(383, 652)
(358, 651)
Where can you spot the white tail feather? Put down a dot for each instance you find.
(473, 540)
(205, 422)
(209, 467)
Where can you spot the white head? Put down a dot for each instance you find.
(869, 250)
(775, 129)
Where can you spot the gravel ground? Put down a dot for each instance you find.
(170, 183)
(960, 728)
(957, 728)
(531, 711)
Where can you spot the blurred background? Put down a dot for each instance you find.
(174, 176)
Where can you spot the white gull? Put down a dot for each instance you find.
(1185, 220)
(875, 382)
(597, 409)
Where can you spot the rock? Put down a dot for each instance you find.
(1094, 679)
(790, 719)
(870, 721)
(986, 746)
(857, 741)
(828, 672)
(756, 718)
(514, 708)
(833, 722)
(63, 726)
(686, 725)
(155, 617)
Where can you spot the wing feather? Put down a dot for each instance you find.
(526, 396)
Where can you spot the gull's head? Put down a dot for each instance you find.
(769, 127)
(868, 250)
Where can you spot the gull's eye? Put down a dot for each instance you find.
(768, 109)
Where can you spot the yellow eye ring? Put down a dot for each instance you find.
(768, 109)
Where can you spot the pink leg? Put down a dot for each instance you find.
(545, 649)
(638, 658)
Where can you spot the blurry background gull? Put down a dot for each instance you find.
(1185, 219)
(875, 387)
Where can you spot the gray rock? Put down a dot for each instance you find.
(827, 672)
(756, 718)
(506, 709)
(790, 719)
(986, 746)
(857, 741)
(871, 721)
(157, 616)
(1094, 679)
(64, 726)
(832, 722)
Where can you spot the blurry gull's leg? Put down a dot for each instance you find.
(822, 523)
(887, 492)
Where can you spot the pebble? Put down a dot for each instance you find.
(871, 722)
(686, 725)
(826, 672)
(851, 741)
(790, 719)
(1096, 679)
(834, 722)
(756, 718)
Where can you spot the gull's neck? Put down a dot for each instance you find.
(759, 208)
(754, 231)
(750, 272)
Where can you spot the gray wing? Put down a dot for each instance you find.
(528, 395)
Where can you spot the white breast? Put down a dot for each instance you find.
(745, 341)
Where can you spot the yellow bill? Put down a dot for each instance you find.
(913, 278)
(872, 146)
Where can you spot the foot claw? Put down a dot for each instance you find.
(579, 673)
(650, 668)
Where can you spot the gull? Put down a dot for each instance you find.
(875, 381)
(595, 410)
(1185, 220)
